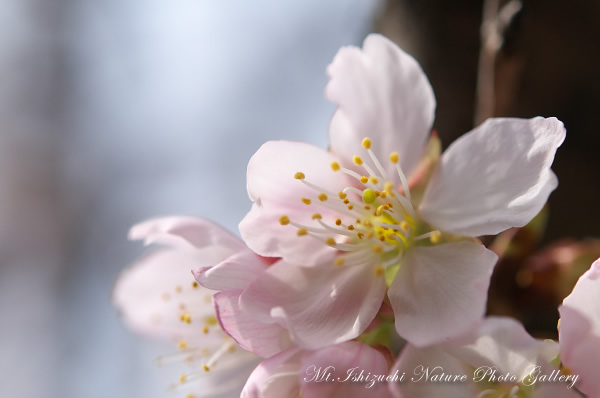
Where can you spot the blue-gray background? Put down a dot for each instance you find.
(114, 111)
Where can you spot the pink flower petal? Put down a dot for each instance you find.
(275, 191)
(440, 291)
(345, 362)
(495, 177)
(580, 330)
(188, 232)
(382, 93)
(415, 362)
(319, 305)
(275, 377)
(264, 339)
(149, 293)
(234, 273)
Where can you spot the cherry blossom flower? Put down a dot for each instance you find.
(579, 332)
(348, 369)
(158, 297)
(352, 214)
(499, 359)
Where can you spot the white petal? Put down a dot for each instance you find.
(319, 305)
(382, 93)
(234, 273)
(495, 177)
(420, 363)
(275, 377)
(441, 291)
(580, 329)
(264, 339)
(342, 362)
(275, 192)
(505, 344)
(184, 232)
(149, 293)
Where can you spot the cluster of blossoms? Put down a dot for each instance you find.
(361, 264)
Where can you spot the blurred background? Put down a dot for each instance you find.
(115, 111)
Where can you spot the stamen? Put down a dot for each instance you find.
(302, 232)
(366, 143)
(317, 216)
(357, 160)
(376, 161)
(284, 220)
(299, 176)
(379, 270)
(335, 230)
(330, 241)
(403, 181)
(306, 201)
(322, 197)
(368, 195)
(218, 354)
(335, 166)
(339, 261)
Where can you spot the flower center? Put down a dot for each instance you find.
(375, 220)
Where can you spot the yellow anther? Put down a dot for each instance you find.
(190, 396)
(339, 261)
(383, 195)
(364, 179)
(182, 378)
(379, 210)
(284, 220)
(322, 197)
(378, 249)
(187, 318)
(330, 241)
(182, 345)
(350, 227)
(205, 329)
(373, 180)
(231, 348)
(357, 160)
(394, 157)
(205, 367)
(299, 176)
(404, 225)
(335, 166)
(195, 285)
(317, 216)
(435, 237)
(377, 193)
(382, 238)
(350, 207)
(366, 143)
(369, 196)
(306, 201)
(211, 320)
(342, 195)
(346, 201)
(338, 222)
(302, 232)
(379, 270)
(360, 235)
(367, 223)
(367, 207)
